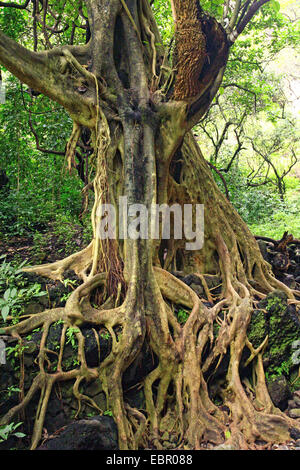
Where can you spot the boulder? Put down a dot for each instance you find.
(97, 433)
(279, 391)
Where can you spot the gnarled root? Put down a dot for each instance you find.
(177, 399)
(78, 262)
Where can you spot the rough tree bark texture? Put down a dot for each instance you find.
(140, 116)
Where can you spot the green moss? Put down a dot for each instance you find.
(275, 319)
(182, 316)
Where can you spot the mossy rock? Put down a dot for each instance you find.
(275, 318)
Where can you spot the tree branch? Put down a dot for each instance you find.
(14, 5)
(236, 85)
(198, 109)
(26, 65)
(245, 19)
(234, 15)
(221, 177)
(45, 72)
(236, 152)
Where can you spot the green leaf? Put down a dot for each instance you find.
(227, 434)
(13, 292)
(275, 5)
(220, 10)
(15, 426)
(41, 294)
(5, 312)
(19, 434)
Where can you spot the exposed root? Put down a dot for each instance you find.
(78, 262)
(71, 146)
(176, 392)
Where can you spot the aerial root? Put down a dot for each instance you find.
(78, 262)
(44, 381)
(255, 352)
(71, 145)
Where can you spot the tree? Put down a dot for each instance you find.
(136, 108)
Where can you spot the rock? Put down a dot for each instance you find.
(296, 398)
(91, 346)
(279, 391)
(280, 447)
(258, 328)
(192, 279)
(70, 274)
(97, 433)
(264, 249)
(198, 289)
(93, 388)
(33, 307)
(70, 352)
(28, 361)
(224, 447)
(289, 281)
(294, 413)
(280, 261)
(178, 274)
(30, 347)
(44, 300)
(58, 295)
(101, 400)
(57, 415)
(291, 404)
(212, 281)
(144, 363)
(135, 397)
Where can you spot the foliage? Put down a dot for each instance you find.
(9, 430)
(71, 337)
(163, 15)
(182, 315)
(14, 292)
(281, 216)
(39, 185)
(10, 274)
(105, 335)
